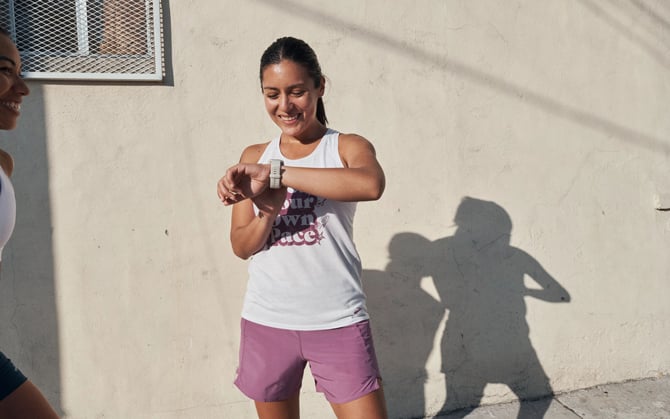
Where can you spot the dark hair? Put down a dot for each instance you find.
(296, 50)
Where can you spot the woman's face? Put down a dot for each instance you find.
(291, 97)
(12, 87)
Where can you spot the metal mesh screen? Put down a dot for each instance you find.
(86, 39)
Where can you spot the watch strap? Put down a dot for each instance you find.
(275, 173)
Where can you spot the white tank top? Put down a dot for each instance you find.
(307, 277)
(7, 210)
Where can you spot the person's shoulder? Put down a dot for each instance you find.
(6, 162)
(355, 149)
(253, 153)
(354, 141)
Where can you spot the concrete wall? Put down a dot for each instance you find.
(517, 250)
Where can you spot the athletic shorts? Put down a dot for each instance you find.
(272, 362)
(10, 377)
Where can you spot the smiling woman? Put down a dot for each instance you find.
(19, 398)
(295, 198)
(12, 87)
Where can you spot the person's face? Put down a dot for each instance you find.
(12, 87)
(291, 97)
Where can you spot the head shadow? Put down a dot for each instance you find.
(480, 281)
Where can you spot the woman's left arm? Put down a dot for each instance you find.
(361, 179)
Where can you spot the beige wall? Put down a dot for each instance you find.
(120, 287)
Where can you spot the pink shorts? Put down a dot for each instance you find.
(272, 362)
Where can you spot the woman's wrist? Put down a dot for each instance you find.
(276, 169)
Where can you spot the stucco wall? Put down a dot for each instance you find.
(543, 124)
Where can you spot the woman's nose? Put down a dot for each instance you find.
(284, 102)
(21, 87)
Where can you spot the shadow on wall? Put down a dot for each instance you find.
(588, 118)
(479, 280)
(29, 332)
(648, 33)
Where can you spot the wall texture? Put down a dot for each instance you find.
(518, 249)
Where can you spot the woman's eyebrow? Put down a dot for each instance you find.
(2, 57)
(293, 86)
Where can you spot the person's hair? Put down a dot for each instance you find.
(296, 50)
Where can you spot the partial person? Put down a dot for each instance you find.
(19, 397)
(294, 200)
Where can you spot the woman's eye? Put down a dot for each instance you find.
(298, 93)
(7, 70)
(272, 96)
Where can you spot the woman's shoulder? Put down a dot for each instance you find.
(6, 162)
(253, 153)
(350, 140)
(355, 148)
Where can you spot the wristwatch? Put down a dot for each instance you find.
(275, 173)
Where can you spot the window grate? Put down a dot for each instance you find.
(87, 39)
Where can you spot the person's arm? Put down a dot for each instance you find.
(248, 231)
(6, 162)
(362, 178)
(551, 290)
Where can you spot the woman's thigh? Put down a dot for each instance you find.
(370, 406)
(285, 409)
(26, 402)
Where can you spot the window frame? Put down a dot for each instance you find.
(154, 36)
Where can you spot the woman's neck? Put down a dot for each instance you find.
(313, 134)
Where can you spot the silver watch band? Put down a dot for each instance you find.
(275, 173)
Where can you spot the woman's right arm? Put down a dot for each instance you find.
(6, 162)
(248, 231)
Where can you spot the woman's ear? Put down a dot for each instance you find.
(322, 87)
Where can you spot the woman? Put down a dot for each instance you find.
(19, 398)
(295, 199)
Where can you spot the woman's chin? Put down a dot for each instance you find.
(292, 130)
(6, 126)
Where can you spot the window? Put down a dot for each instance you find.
(86, 39)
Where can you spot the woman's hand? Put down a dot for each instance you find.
(242, 181)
